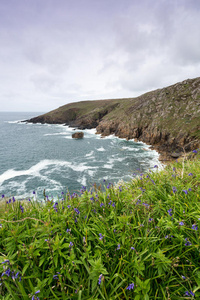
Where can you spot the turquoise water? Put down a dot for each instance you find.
(34, 157)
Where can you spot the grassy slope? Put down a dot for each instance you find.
(95, 245)
(175, 109)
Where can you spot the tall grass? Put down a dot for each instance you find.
(137, 240)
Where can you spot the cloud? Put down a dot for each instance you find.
(55, 52)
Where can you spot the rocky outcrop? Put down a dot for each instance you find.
(168, 118)
(78, 135)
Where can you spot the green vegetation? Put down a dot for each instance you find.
(137, 240)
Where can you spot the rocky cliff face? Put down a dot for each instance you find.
(168, 118)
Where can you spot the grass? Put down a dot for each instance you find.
(137, 240)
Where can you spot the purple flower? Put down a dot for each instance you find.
(132, 248)
(6, 261)
(189, 293)
(185, 191)
(68, 230)
(156, 166)
(130, 287)
(113, 205)
(102, 204)
(181, 223)
(33, 192)
(190, 174)
(174, 189)
(99, 280)
(183, 277)
(187, 242)
(170, 212)
(120, 188)
(3, 196)
(22, 209)
(118, 246)
(194, 227)
(101, 236)
(68, 206)
(77, 211)
(150, 219)
(70, 244)
(194, 151)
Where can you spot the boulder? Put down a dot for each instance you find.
(78, 135)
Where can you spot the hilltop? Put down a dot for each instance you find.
(167, 118)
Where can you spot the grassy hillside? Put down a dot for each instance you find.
(168, 118)
(137, 240)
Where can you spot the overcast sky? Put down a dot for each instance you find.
(53, 52)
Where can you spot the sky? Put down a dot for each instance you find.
(53, 52)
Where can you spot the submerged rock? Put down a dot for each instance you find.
(78, 135)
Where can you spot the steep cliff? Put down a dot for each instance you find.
(168, 118)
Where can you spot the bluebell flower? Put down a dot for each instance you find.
(3, 196)
(194, 151)
(102, 204)
(68, 230)
(70, 244)
(183, 277)
(132, 248)
(118, 247)
(187, 242)
(194, 227)
(101, 236)
(190, 174)
(174, 189)
(181, 223)
(130, 287)
(170, 212)
(100, 278)
(77, 211)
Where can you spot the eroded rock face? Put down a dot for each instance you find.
(78, 135)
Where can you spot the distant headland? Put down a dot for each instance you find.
(167, 118)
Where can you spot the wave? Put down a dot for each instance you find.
(101, 149)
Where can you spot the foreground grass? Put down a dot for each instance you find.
(137, 240)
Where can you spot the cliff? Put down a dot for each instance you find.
(167, 118)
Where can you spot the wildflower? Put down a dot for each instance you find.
(33, 192)
(68, 230)
(130, 287)
(150, 219)
(70, 244)
(190, 174)
(5, 261)
(187, 242)
(183, 277)
(132, 248)
(170, 212)
(185, 191)
(194, 151)
(92, 198)
(181, 223)
(113, 205)
(33, 298)
(174, 189)
(189, 293)
(3, 196)
(174, 169)
(68, 206)
(194, 227)
(118, 246)
(56, 276)
(77, 211)
(13, 198)
(101, 236)
(22, 209)
(120, 188)
(100, 278)
(102, 204)
(156, 166)
(109, 203)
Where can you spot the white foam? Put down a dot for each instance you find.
(101, 149)
(90, 154)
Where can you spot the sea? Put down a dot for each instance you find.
(38, 157)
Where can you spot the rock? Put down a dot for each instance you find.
(176, 154)
(78, 135)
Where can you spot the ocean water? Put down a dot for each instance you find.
(34, 157)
